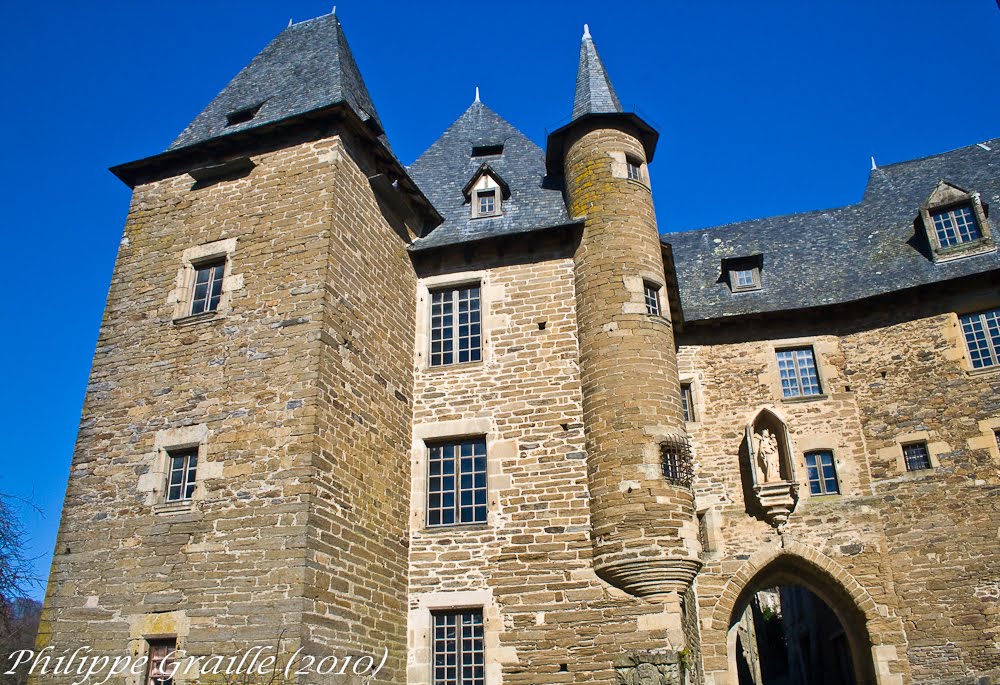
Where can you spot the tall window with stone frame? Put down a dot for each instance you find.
(456, 482)
(822, 473)
(161, 659)
(456, 325)
(982, 337)
(633, 168)
(797, 370)
(182, 471)
(916, 456)
(207, 289)
(459, 648)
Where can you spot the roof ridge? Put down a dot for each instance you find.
(942, 154)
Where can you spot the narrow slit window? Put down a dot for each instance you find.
(456, 487)
(916, 456)
(459, 648)
(207, 286)
(181, 478)
(456, 326)
(651, 292)
(822, 473)
(687, 402)
(487, 150)
(956, 225)
(982, 336)
(797, 369)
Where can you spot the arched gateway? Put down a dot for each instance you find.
(874, 640)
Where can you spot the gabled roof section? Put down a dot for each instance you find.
(945, 193)
(838, 255)
(444, 169)
(594, 92)
(307, 67)
(486, 169)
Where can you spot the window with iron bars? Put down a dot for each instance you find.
(675, 459)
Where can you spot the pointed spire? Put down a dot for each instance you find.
(477, 95)
(594, 92)
(289, 22)
(874, 165)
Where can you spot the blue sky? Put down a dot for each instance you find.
(763, 108)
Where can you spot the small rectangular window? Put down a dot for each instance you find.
(456, 485)
(634, 169)
(797, 369)
(687, 402)
(651, 293)
(982, 336)
(183, 468)
(487, 150)
(916, 456)
(161, 660)
(822, 473)
(956, 225)
(741, 279)
(207, 286)
(456, 329)
(459, 648)
(487, 202)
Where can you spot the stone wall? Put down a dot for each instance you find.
(260, 388)
(548, 617)
(914, 552)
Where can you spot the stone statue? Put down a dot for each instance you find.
(768, 456)
(647, 674)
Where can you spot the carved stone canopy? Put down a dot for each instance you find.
(771, 466)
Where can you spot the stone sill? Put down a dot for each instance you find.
(964, 250)
(198, 318)
(985, 371)
(168, 508)
(455, 529)
(458, 366)
(823, 499)
(806, 398)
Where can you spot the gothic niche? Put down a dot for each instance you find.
(771, 467)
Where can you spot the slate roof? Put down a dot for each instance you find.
(838, 255)
(445, 168)
(308, 66)
(594, 92)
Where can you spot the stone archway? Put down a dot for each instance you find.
(875, 640)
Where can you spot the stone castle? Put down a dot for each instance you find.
(478, 415)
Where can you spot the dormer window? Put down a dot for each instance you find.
(241, 116)
(486, 192)
(742, 273)
(955, 223)
(487, 200)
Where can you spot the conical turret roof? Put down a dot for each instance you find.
(594, 92)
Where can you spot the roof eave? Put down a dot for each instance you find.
(222, 148)
(554, 148)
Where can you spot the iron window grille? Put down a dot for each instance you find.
(982, 336)
(822, 473)
(459, 648)
(687, 402)
(207, 286)
(797, 369)
(651, 293)
(183, 471)
(161, 659)
(916, 456)
(456, 487)
(956, 225)
(456, 327)
(675, 459)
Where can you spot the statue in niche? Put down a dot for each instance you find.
(768, 456)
